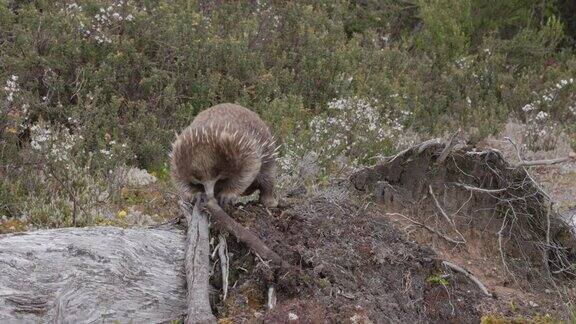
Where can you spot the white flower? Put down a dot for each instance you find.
(292, 317)
(542, 116)
(528, 108)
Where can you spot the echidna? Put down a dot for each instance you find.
(227, 151)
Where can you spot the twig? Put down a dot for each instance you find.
(448, 148)
(448, 219)
(224, 263)
(449, 299)
(570, 158)
(451, 240)
(469, 276)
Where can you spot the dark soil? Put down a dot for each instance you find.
(356, 267)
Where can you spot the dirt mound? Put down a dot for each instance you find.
(475, 208)
(378, 257)
(356, 267)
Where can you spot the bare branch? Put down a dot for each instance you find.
(451, 240)
(469, 275)
(570, 158)
(448, 219)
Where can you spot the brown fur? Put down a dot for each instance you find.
(227, 151)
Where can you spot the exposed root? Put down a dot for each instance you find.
(448, 148)
(451, 240)
(448, 219)
(469, 276)
(483, 195)
(223, 221)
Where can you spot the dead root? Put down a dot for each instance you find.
(434, 184)
(223, 221)
(469, 275)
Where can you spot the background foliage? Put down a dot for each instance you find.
(91, 86)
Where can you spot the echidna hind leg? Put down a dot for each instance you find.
(253, 187)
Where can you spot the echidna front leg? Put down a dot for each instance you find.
(267, 182)
(230, 189)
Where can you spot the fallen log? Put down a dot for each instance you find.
(92, 275)
(197, 265)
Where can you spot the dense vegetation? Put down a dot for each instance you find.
(92, 85)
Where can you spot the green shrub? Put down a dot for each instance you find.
(136, 72)
(446, 28)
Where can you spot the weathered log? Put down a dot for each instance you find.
(198, 265)
(88, 275)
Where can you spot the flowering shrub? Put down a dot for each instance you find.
(12, 88)
(355, 128)
(65, 183)
(89, 86)
(105, 24)
(542, 130)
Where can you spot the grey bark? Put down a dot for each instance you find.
(198, 265)
(88, 275)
